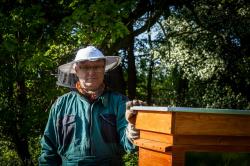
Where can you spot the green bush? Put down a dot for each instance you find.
(130, 159)
(8, 155)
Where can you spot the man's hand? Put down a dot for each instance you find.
(131, 132)
(131, 114)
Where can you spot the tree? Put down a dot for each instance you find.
(25, 73)
(208, 43)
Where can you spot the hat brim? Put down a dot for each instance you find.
(111, 63)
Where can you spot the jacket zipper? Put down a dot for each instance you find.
(90, 127)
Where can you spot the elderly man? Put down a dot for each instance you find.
(87, 126)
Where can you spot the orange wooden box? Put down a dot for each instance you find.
(167, 133)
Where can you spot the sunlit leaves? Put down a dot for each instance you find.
(97, 23)
(244, 11)
(188, 50)
(205, 45)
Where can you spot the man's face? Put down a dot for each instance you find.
(90, 74)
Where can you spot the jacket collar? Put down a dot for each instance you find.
(104, 98)
(90, 96)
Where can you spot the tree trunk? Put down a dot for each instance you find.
(22, 148)
(19, 136)
(115, 80)
(180, 86)
(149, 82)
(150, 72)
(131, 69)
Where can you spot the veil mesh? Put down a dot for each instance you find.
(66, 75)
(66, 78)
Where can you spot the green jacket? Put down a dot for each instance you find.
(82, 133)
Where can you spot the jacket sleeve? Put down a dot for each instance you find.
(122, 125)
(49, 144)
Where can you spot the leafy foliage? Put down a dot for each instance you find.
(8, 155)
(130, 159)
(203, 55)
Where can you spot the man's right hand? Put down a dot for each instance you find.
(132, 132)
(131, 114)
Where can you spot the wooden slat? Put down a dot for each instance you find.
(211, 124)
(153, 145)
(155, 136)
(154, 121)
(195, 139)
(211, 140)
(152, 158)
(209, 148)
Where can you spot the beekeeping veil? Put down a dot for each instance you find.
(67, 74)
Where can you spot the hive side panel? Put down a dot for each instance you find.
(212, 124)
(155, 121)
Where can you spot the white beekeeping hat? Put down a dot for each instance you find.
(66, 72)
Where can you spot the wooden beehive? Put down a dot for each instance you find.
(167, 133)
